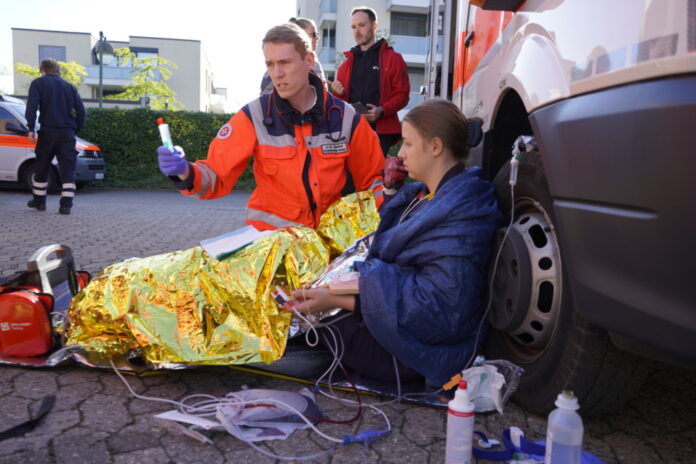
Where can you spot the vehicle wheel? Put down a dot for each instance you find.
(533, 317)
(53, 180)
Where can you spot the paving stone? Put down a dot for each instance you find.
(81, 444)
(248, 455)
(184, 449)
(425, 425)
(35, 384)
(436, 452)
(14, 410)
(144, 456)
(27, 457)
(398, 448)
(104, 413)
(132, 438)
(69, 396)
(357, 454)
(96, 420)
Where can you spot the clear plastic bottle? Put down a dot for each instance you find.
(460, 427)
(564, 431)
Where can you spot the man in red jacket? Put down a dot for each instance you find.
(374, 75)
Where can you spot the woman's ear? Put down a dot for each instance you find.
(437, 146)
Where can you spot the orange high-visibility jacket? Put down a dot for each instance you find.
(300, 160)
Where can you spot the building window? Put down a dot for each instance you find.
(410, 24)
(416, 77)
(49, 51)
(328, 38)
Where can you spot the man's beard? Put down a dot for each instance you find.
(367, 39)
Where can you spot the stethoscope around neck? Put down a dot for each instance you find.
(326, 116)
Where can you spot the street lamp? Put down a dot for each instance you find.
(106, 54)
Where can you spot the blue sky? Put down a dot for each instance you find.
(230, 31)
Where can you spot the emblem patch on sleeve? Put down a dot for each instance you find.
(334, 148)
(225, 131)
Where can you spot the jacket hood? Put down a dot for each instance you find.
(376, 47)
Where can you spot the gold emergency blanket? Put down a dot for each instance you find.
(186, 307)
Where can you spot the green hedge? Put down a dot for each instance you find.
(129, 140)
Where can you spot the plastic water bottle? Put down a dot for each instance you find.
(564, 431)
(460, 427)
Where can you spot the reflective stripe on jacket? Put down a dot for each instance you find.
(300, 160)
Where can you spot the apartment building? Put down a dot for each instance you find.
(192, 80)
(405, 24)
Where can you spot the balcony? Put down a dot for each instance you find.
(327, 13)
(415, 6)
(327, 56)
(112, 76)
(413, 49)
(414, 98)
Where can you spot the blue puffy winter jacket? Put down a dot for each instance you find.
(422, 283)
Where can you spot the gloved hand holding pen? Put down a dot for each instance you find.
(173, 162)
(394, 173)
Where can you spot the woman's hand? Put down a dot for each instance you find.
(317, 300)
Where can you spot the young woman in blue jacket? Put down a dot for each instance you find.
(421, 287)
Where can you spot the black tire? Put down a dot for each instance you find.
(28, 174)
(536, 325)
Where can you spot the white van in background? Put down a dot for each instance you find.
(17, 158)
(600, 262)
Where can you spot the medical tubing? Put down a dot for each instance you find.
(365, 437)
(398, 379)
(335, 363)
(217, 402)
(292, 458)
(336, 336)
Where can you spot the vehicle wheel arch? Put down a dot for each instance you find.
(28, 166)
(510, 120)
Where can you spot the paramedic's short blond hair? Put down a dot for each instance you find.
(292, 34)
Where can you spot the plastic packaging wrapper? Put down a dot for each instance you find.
(251, 415)
(490, 383)
(186, 307)
(340, 266)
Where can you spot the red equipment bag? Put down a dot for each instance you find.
(25, 326)
(35, 302)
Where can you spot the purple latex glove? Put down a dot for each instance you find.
(394, 172)
(172, 162)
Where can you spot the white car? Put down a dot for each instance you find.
(17, 157)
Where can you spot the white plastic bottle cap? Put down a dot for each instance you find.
(567, 400)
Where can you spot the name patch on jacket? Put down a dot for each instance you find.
(333, 148)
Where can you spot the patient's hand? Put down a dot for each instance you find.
(317, 300)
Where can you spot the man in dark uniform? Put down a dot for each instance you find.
(62, 116)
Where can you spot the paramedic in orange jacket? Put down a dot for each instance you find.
(302, 139)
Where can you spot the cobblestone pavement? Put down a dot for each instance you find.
(96, 420)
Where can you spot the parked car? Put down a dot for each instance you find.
(17, 158)
(597, 272)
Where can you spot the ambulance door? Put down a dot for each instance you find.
(13, 146)
(478, 30)
(463, 37)
(438, 76)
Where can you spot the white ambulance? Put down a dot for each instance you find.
(600, 262)
(17, 157)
